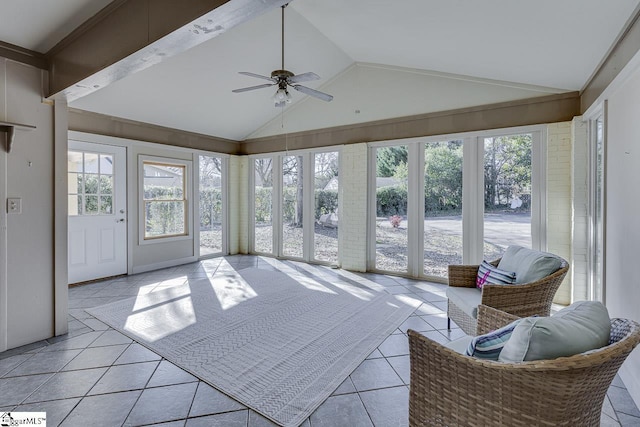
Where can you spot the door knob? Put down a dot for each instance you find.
(120, 220)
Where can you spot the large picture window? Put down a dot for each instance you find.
(165, 199)
(460, 199)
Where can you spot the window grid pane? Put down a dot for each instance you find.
(165, 204)
(90, 181)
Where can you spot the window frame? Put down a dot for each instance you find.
(186, 200)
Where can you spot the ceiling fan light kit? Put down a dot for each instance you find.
(285, 79)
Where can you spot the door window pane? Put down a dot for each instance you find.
(90, 178)
(391, 208)
(91, 163)
(210, 190)
(326, 186)
(292, 211)
(263, 196)
(442, 206)
(507, 195)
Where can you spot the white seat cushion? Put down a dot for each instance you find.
(460, 345)
(466, 299)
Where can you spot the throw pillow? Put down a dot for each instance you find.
(581, 327)
(487, 273)
(489, 346)
(528, 264)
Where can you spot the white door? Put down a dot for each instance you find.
(97, 211)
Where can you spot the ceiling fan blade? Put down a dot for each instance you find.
(258, 76)
(245, 89)
(313, 92)
(304, 77)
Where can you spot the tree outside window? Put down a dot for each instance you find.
(165, 203)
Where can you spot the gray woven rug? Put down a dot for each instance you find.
(278, 344)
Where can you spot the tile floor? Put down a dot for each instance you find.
(95, 376)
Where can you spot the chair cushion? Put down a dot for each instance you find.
(487, 273)
(460, 345)
(489, 346)
(466, 299)
(581, 327)
(529, 265)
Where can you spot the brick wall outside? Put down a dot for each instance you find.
(352, 207)
(559, 205)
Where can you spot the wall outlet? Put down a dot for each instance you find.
(14, 205)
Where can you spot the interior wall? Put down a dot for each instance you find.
(28, 175)
(622, 243)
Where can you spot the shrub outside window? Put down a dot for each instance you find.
(165, 202)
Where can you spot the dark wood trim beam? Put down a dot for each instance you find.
(626, 47)
(25, 56)
(85, 121)
(531, 111)
(128, 36)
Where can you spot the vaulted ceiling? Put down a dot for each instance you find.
(378, 59)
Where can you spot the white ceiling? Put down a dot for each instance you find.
(381, 58)
(39, 24)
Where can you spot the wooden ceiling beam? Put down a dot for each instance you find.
(128, 36)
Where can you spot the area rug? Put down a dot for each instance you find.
(276, 343)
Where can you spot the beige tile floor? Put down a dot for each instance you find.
(95, 376)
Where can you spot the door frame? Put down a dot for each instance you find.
(127, 230)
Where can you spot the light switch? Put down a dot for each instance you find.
(14, 205)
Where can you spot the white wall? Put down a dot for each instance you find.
(580, 214)
(622, 283)
(27, 173)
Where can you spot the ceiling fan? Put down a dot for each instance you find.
(285, 79)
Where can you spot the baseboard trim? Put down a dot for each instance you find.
(163, 264)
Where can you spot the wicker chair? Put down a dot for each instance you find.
(449, 389)
(527, 299)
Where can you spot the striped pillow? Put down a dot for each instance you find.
(489, 346)
(487, 273)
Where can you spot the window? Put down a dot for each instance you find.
(391, 195)
(262, 206)
(90, 183)
(442, 206)
(294, 208)
(326, 185)
(436, 201)
(164, 189)
(507, 193)
(210, 174)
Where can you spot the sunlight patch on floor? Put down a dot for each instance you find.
(231, 290)
(162, 320)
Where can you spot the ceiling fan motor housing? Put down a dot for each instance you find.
(281, 74)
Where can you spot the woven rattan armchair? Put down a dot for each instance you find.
(527, 299)
(449, 389)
